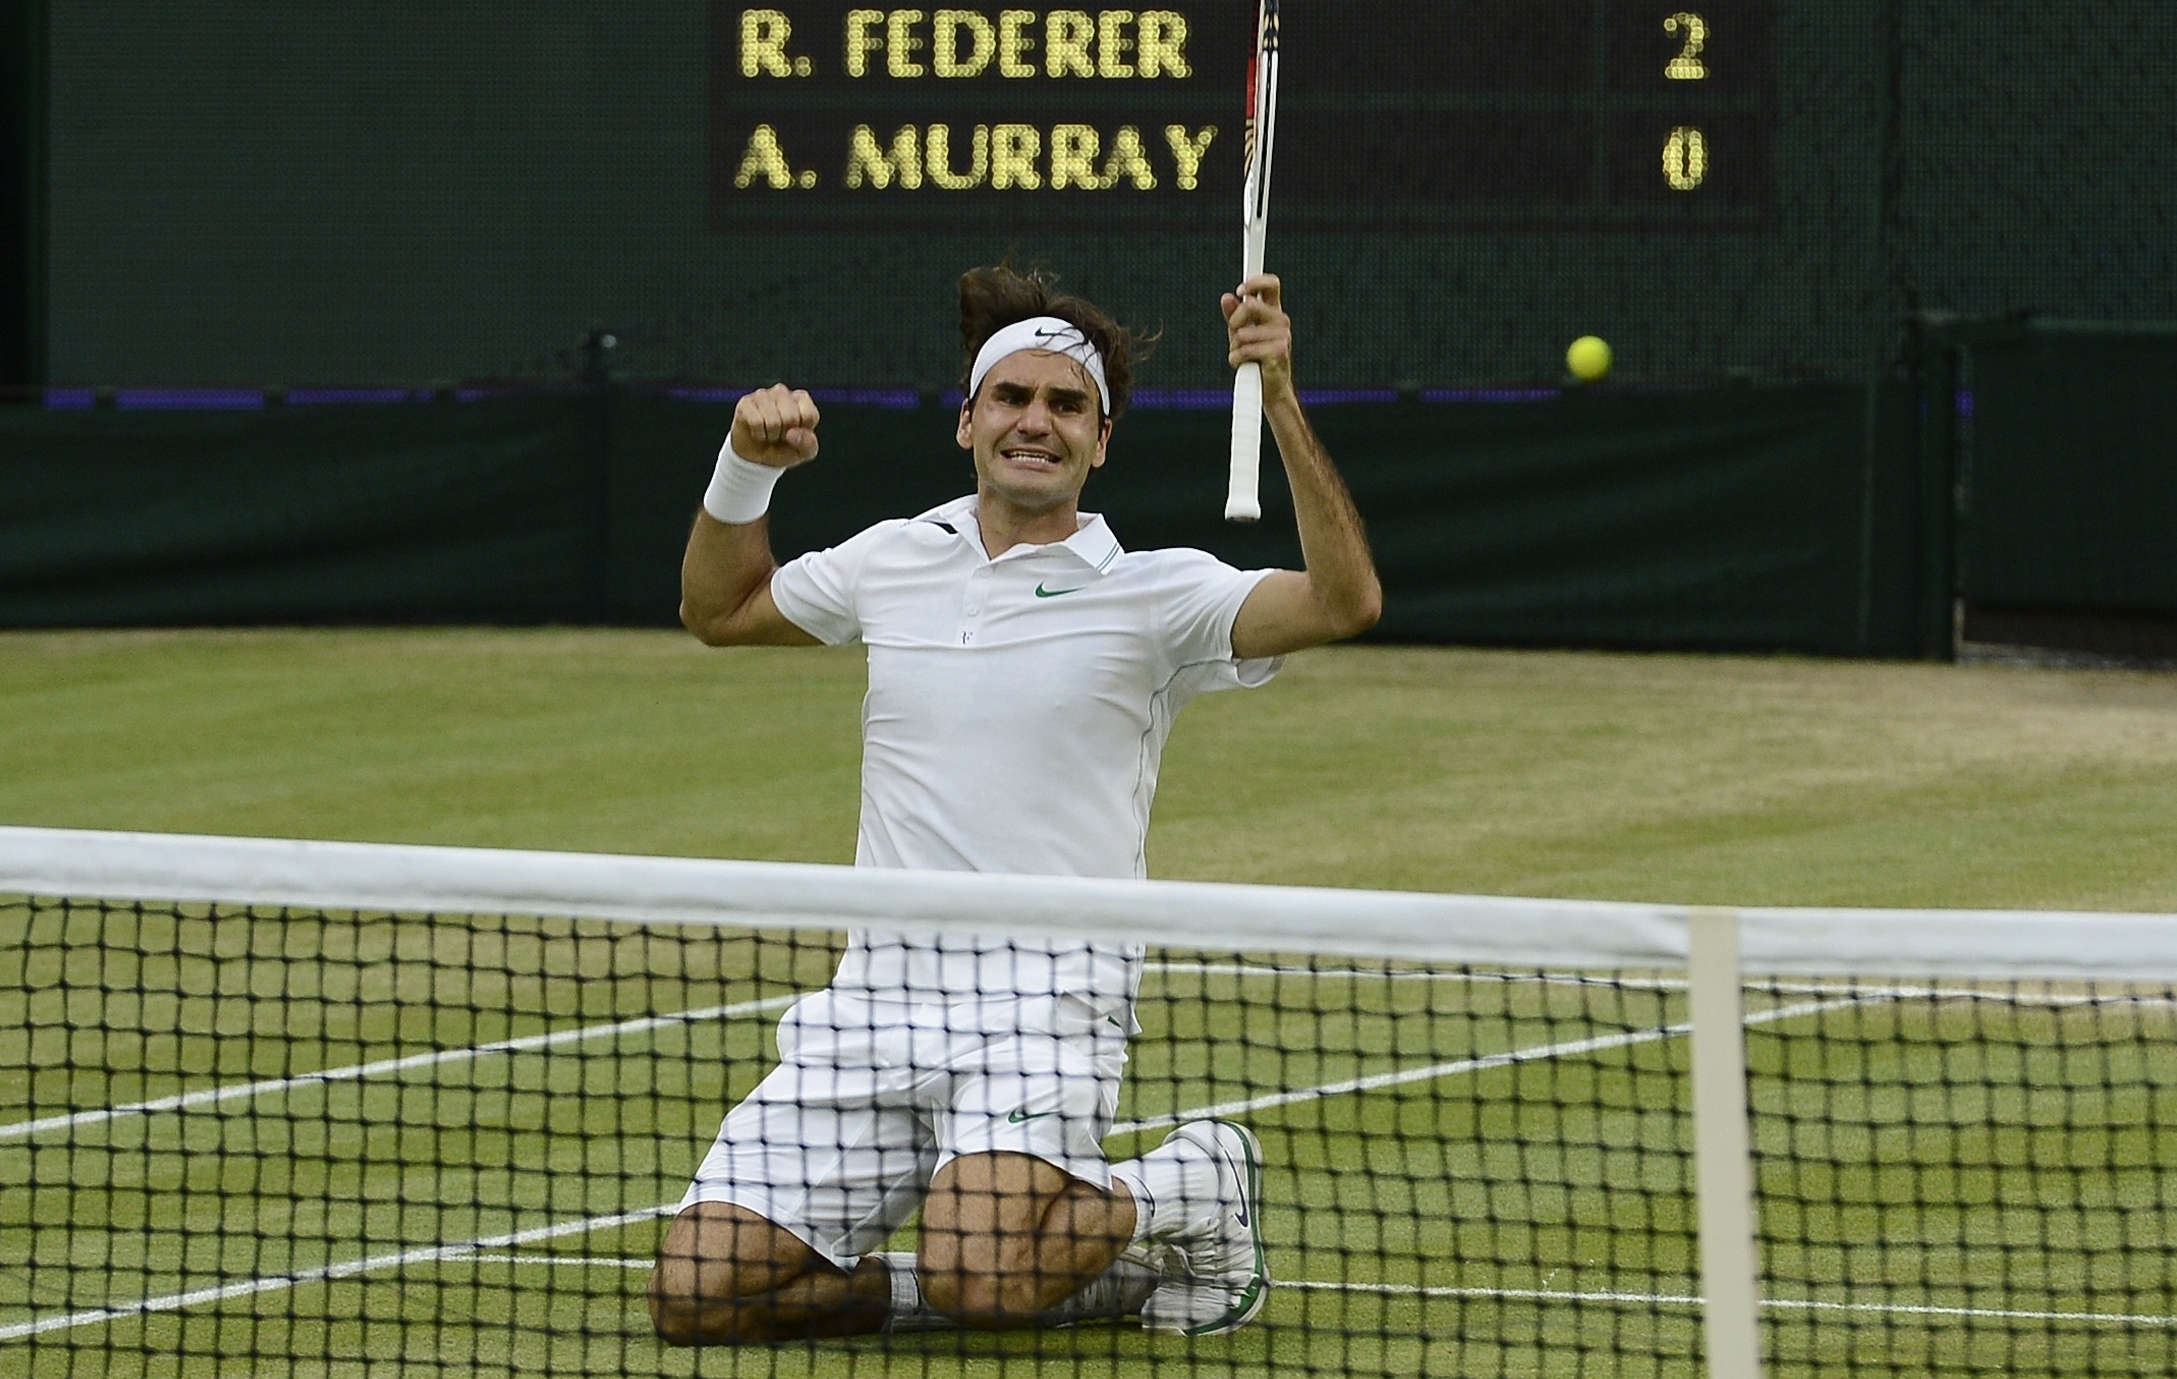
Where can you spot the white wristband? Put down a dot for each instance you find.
(740, 490)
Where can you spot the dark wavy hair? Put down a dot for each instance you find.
(993, 298)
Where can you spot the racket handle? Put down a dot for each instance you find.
(1243, 500)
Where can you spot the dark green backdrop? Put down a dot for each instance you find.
(2072, 470)
(256, 192)
(1744, 518)
(239, 192)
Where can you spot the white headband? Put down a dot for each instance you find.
(1041, 333)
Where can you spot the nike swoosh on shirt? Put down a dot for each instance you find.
(1043, 593)
(1018, 1116)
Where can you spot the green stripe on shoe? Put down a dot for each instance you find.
(1253, 1296)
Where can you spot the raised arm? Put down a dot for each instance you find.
(1337, 595)
(725, 577)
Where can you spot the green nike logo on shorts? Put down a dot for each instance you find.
(1019, 1115)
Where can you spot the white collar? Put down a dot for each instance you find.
(1092, 542)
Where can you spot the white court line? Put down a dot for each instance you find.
(1376, 1081)
(1689, 1300)
(322, 1273)
(212, 1096)
(428, 1253)
(209, 1096)
(1855, 991)
(2002, 1313)
(1399, 974)
(589, 1261)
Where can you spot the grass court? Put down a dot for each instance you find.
(347, 1139)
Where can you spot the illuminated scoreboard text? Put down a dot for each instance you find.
(1393, 113)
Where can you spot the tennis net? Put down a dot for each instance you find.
(288, 1108)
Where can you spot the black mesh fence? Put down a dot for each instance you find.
(284, 1141)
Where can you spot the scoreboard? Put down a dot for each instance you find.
(1419, 114)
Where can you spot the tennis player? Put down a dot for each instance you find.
(1024, 670)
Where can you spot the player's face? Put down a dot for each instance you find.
(1036, 429)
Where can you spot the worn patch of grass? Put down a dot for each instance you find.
(1696, 779)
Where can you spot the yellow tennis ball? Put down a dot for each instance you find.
(1588, 358)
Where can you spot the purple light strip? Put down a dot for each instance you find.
(1182, 399)
(324, 397)
(61, 399)
(1488, 394)
(900, 399)
(189, 399)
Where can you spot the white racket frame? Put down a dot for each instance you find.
(1243, 494)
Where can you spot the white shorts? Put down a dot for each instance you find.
(838, 1144)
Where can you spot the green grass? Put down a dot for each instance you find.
(1972, 1155)
(1697, 779)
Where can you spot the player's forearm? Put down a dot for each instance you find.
(725, 567)
(1333, 542)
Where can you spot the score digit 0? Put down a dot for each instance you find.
(1685, 159)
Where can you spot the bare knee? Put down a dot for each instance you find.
(675, 1315)
(691, 1306)
(984, 1300)
(984, 1292)
(717, 1277)
(681, 1320)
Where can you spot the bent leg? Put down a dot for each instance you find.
(1006, 1236)
(727, 1276)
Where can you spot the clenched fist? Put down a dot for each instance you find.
(775, 426)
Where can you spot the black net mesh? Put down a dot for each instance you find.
(1963, 1179)
(282, 1142)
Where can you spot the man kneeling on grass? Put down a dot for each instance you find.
(1023, 674)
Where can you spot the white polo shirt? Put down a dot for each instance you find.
(1016, 715)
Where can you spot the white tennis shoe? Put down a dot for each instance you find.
(1219, 1274)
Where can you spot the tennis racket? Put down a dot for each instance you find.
(1243, 501)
